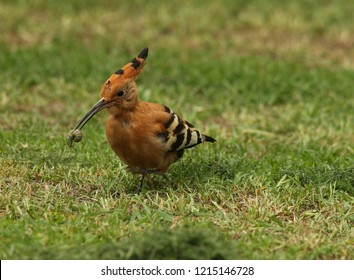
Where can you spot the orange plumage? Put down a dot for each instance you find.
(147, 137)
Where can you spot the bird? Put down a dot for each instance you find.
(147, 137)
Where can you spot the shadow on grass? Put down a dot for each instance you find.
(185, 243)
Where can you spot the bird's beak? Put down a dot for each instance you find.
(100, 105)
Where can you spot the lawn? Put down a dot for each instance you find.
(272, 81)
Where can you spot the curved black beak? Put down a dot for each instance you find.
(100, 105)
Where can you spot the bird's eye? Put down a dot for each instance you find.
(120, 93)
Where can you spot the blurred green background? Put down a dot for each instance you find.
(272, 81)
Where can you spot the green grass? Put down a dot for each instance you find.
(272, 81)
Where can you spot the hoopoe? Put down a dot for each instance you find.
(147, 137)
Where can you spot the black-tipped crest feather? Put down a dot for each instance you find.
(144, 53)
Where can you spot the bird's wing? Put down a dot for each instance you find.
(178, 134)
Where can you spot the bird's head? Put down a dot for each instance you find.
(120, 88)
(119, 92)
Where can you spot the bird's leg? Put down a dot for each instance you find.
(141, 182)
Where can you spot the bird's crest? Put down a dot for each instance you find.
(128, 72)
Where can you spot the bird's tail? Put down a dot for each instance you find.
(208, 138)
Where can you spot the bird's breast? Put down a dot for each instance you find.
(136, 144)
(126, 123)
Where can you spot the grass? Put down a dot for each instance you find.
(272, 81)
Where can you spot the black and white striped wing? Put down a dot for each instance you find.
(181, 134)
